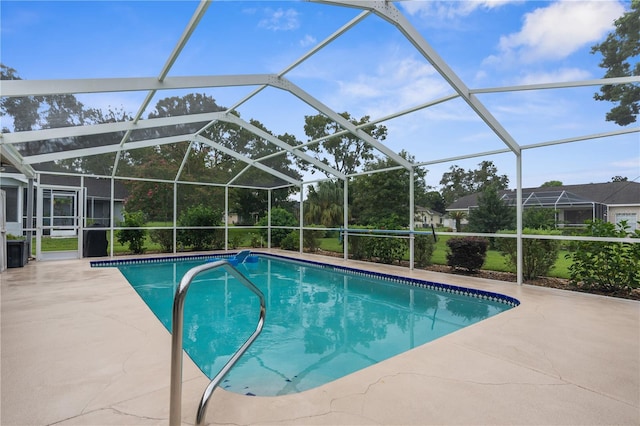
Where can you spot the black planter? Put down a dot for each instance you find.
(17, 253)
(95, 242)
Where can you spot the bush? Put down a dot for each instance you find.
(201, 239)
(312, 238)
(134, 237)
(423, 247)
(255, 240)
(467, 252)
(164, 238)
(538, 256)
(384, 249)
(235, 241)
(360, 247)
(291, 241)
(606, 266)
(539, 218)
(387, 249)
(279, 217)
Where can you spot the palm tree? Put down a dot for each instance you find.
(324, 205)
(458, 215)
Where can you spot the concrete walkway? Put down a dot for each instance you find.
(79, 347)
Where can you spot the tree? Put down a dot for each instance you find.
(23, 110)
(193, 235)
(324, 204)
(252, 203)
(457, 216)
(196, 161)
(378, 196)
(619, 50)
(281, 222)
(47, 112)
(346, 152)
(433, 200)
(619, 179)
(492, 213)
(135, 237)
(459, 182)
(97, 164)
(551, 183)
(539, 218)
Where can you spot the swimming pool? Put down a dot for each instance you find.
(323, 322)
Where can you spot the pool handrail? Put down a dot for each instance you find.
(175, 406)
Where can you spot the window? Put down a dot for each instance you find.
(12, 203)
(631, 218)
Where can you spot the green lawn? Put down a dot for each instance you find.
(242, 236)
(494, 261)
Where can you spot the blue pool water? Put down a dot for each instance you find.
(322, 322)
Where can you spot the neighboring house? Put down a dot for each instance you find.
(574, 204)
(425, 217)
(61, 201)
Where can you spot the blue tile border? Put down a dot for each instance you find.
(122, 262)
(447, 288)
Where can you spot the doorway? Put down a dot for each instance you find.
(60, 213)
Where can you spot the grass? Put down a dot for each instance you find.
(495, 261)
(244, 235)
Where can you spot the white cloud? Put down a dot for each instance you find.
(556, 31)
(560, 75)
(450, 9)
(629, 163)
(394, 85)
(280, 20)
(308, 40)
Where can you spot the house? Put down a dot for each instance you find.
(65, 200)
(425, 217)
(574, 204)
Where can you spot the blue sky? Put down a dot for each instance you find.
(371, 70)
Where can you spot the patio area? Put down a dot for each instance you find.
(79, 347)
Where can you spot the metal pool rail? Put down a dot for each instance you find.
(175, 415)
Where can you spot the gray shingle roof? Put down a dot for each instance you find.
(610, 193)
(95, 187)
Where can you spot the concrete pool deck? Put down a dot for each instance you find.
(79, 347)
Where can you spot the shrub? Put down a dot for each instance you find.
(539, 218)
(134, 237)
(235, 241)
(279, 218)
(388, 249)
(360, 247)
(423, 247)
(291, 241)
(255, 240)
(606, 266)
(201, 239)
(312, 238)
(538, 256)
(467, 252)
(164, 238)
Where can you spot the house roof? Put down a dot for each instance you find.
(421, 209)
(100, 188)
(609, 193)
